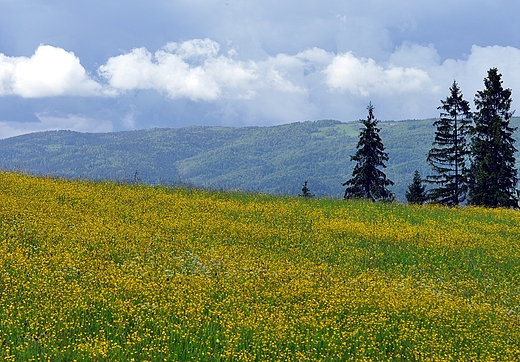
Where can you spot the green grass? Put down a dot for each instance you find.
(106, 271)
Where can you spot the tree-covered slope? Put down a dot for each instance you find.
(274, 159)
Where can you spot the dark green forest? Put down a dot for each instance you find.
(275, 159)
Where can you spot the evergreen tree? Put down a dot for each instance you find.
(416, 193)
(306, 192)
(493, 173)
(368, 181)
(450, 150)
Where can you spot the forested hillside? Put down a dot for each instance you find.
(274, 159)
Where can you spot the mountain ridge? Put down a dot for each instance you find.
(273, 159)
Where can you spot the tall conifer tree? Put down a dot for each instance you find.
(368, 181)
(416, 193)
(449, 153)
(493, 173)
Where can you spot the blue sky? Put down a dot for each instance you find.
(99, 66)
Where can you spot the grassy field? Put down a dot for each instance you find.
(109, 272)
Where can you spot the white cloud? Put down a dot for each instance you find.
(471, 71)
(170, 71)
(411, 83)
(194, 48)
(285, 89)
(195, 70)
(49, 72)
(364, 77)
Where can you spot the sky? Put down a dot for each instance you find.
(102, 66)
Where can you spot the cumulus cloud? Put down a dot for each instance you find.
(411, 83)
(192, 69)
(49, 72)
(197, 70)
(364, 77)
(471, 71)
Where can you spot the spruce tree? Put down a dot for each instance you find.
(493, 173)
(416, 193)
(368, 181)
(306, 192)
(450, 149)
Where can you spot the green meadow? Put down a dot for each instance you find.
(101, 271)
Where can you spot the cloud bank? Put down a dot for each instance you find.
(229, 90)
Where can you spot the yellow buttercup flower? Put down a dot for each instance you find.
(107, 271)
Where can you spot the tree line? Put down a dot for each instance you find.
(471, 158)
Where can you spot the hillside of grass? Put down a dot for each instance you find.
(106, 271)
(274, 160)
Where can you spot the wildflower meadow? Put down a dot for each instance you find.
(101, 271)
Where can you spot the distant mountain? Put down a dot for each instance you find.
(274, 159)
